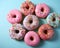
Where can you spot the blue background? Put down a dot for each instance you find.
(7, 42)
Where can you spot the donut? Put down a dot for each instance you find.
(59, 18)
(27, 8)
(53, 20)
(32, 38)
(42, 10)
(45, 32)
(31, 22)
(14, 16)
(17, 32)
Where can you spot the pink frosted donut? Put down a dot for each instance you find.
(17, 32)
(27, 8)
(32, 38)
(14, 16)
(45, 31)
(42, 10)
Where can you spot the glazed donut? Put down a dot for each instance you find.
(32, 38)
(27, 8)
(17, 32)
(45, 31)
(53, 19)
(31, 22)
(42, 10)
(14, 16)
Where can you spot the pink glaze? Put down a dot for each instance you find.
(32, 38)
(14, 16)
(45, 31)
(27, 8)
(42, 10)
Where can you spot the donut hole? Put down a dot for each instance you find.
(45, 31)
(16, 31)
(30, 21)
(42, 9)
(31, 38)
(27, 7)
(53, 19)
(14, 16)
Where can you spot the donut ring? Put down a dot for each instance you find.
(53, 20)
(42, 10)
(14, 16)
(31, 22)
(17, 32)
(27, 8)
(45, 31)
(32, 38)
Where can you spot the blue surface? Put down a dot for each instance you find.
(7, 42)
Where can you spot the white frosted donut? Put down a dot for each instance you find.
(17, 32)
(53, 20)
(31, 22)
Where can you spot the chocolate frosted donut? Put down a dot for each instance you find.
(17, 32)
